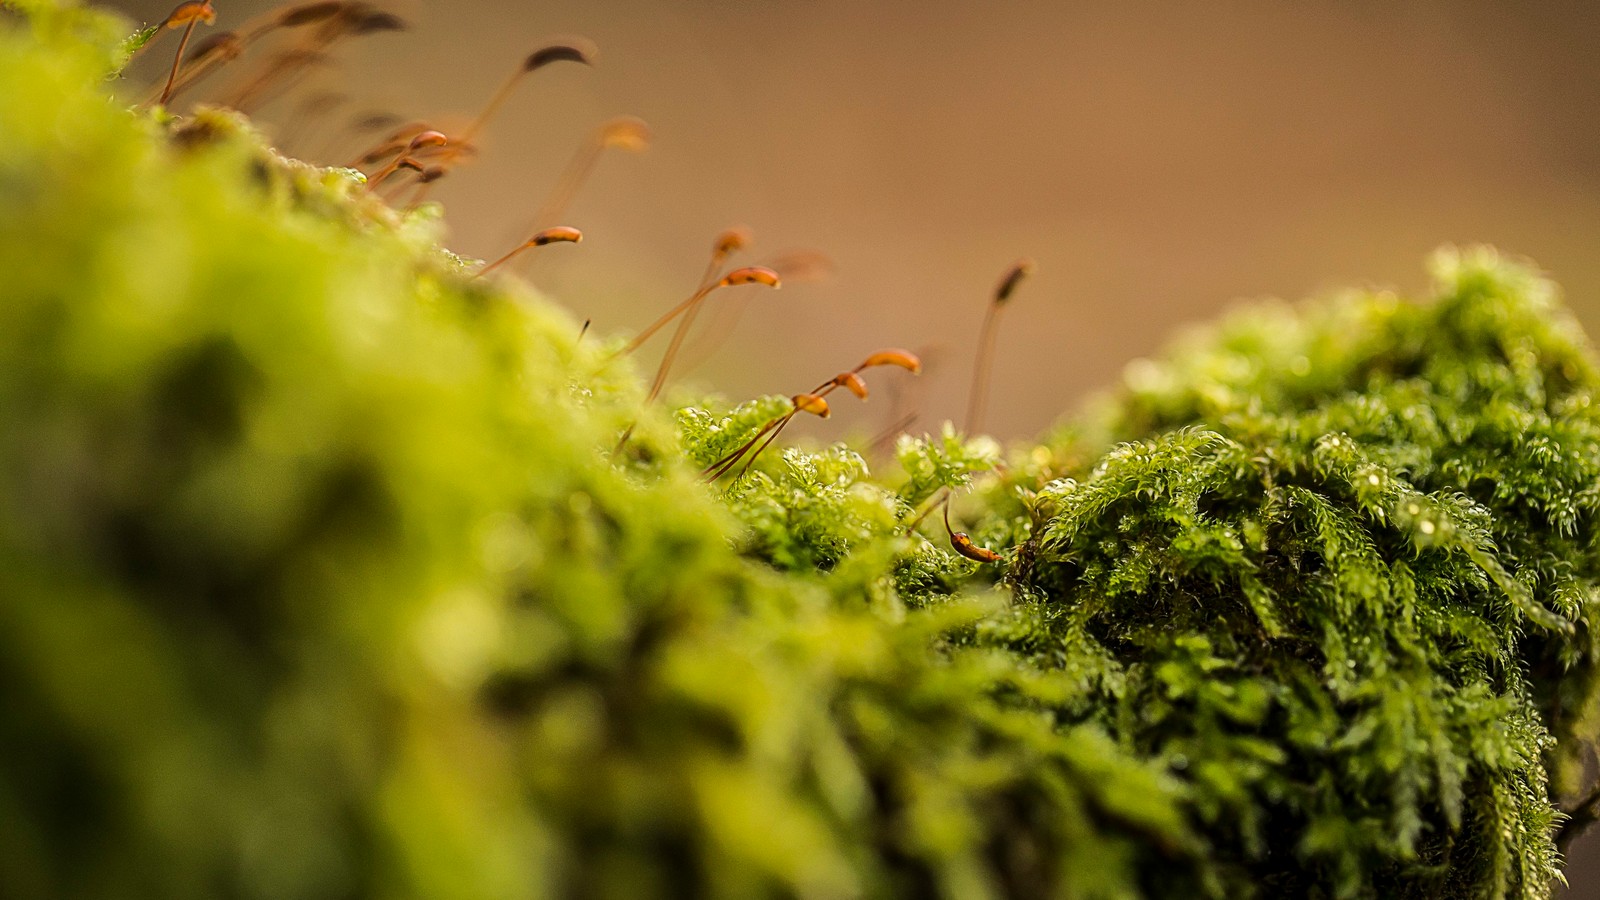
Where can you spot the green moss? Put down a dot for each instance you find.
(318, 578)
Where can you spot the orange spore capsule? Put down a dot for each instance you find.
(853, 383)
(558, 234)
(812, 404)
(905, 359)
(189, 13)
(732, 241)
(428, 139)
(553, 235)
(962, 542)
(752, 275)
(626, 133)
(963, 545)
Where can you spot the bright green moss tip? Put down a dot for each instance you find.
(319, 579)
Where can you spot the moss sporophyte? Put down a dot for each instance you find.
(322, 572)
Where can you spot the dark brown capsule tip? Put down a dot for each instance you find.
(375, 22)
(803, 266)
(413, 165)
(578, 51)
(374, 121)
(388, 149)
(195, 133)
(310, 13)
(320, 103)
(1014, 276)
(302, 56)
(434, 173)
(225, 43)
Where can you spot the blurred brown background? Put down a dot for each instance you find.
(1159, 160)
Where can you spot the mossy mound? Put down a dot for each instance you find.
(319, 578)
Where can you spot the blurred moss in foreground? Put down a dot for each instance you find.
(318, 579)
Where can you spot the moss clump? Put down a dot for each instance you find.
(318, 579)
(1344, 569)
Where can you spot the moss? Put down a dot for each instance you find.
(318, 578)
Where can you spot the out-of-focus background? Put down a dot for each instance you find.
(1160, 161)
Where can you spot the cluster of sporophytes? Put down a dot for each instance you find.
(323, 573)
